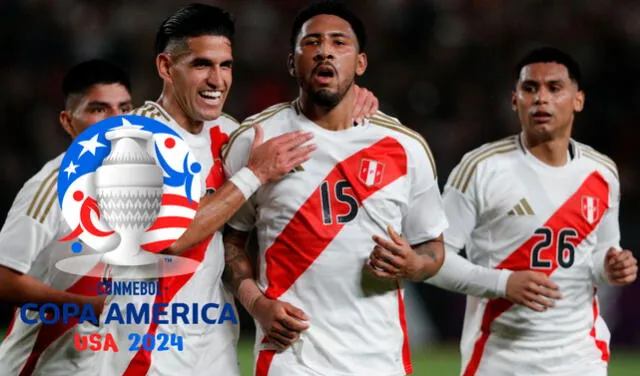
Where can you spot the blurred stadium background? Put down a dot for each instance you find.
(444, 67)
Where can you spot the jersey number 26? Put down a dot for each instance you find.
(562, 250)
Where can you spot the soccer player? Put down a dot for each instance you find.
(536, 212)
(29, 247)
(316, 301)
(195, 61)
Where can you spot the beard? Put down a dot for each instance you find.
(326, 98)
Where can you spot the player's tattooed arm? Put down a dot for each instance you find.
(434, 250)
(397, 259)
(238, 266)
(280, 321)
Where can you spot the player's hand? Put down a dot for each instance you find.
(395, 259)
(366, 104)
(620, 267)
(532, 289)
(273, 159)
(281, 322)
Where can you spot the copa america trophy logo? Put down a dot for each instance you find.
(128, 187)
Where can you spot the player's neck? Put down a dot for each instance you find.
(170, 105)
(551, 151)
(337, 118)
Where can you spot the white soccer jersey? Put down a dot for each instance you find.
(511, 211)
(29, 244)
(208, 348)
(314, 232)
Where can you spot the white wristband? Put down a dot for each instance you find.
(246, 181)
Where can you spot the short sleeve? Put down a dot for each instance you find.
(236, 156)
(425, 219)
(460, 209)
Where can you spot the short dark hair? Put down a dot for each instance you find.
(86, 74)
(551, 55)
(193, 21)
(332, 7)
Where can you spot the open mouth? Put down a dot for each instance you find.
(213, 96)
(324, 73)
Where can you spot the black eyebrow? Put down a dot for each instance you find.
(535, 82)
(201, 61)
(98, 103)
(337, 34)
(105, 104)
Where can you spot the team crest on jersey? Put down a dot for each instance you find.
(175, 206)
(590, 209)
(371, 172)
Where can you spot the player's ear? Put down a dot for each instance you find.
(578, 101)
(361, 65)
(163, 65)
(291, 66)
(65, 121)
(514, 106)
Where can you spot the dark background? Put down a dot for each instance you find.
(443, 67)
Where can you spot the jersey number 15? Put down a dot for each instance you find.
(334, 197)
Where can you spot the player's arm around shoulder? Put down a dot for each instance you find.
(249, 163)
(268, 158)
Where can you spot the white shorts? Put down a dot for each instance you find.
(505, 357)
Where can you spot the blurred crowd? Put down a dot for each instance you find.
(443, 67)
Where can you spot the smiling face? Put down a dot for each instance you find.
(99, 102)
(200, 73)
(326, 59)
(546, 100)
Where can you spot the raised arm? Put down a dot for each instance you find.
(268, 161)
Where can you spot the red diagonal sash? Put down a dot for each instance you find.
(305, 237)
(169, 287)
(569, 215)
(49, 333)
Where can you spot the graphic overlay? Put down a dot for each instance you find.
(128, 187)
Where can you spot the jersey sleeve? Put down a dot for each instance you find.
(425, 219)
(32, 223)
(457, 273)
(460, 209)
(236, 156)
(607, 235)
